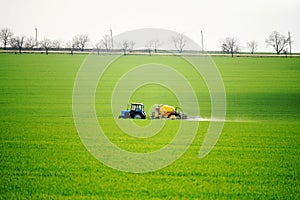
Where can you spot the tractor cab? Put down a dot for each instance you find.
(136, 111)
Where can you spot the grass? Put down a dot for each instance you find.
(42, 155)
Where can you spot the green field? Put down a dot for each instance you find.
(256, 157)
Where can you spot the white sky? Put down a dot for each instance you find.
(245, 20)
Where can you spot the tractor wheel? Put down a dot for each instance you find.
(137, 116)
(172, 117)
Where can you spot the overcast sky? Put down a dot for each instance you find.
(245, 20)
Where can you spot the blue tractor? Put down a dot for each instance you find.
(136, 111)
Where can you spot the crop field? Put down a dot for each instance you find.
(256, 157)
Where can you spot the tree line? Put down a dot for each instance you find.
(279, 42)
(230, 45)
(21, 42)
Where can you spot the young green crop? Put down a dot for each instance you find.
(42, 155)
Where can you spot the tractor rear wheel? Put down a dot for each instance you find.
(172, 117)
(137, 116)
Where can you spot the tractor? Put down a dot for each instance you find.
(136, 111)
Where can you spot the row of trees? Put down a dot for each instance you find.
(278, 41)
(20, 42)
(79, 42)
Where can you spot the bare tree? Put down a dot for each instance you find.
(230, 45)
(152, 46)
(149, 47)
(277, 41)
(106, 42)
(131, 45)
(98, 47)
(285, 52)
(179, 42)
(5, 35)
(17, 42)
(127, 46)
(71, 46)
(252, 46)
(81, 41)
(156, 43)
(46, 44)
(30, 43)
(56, 44)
